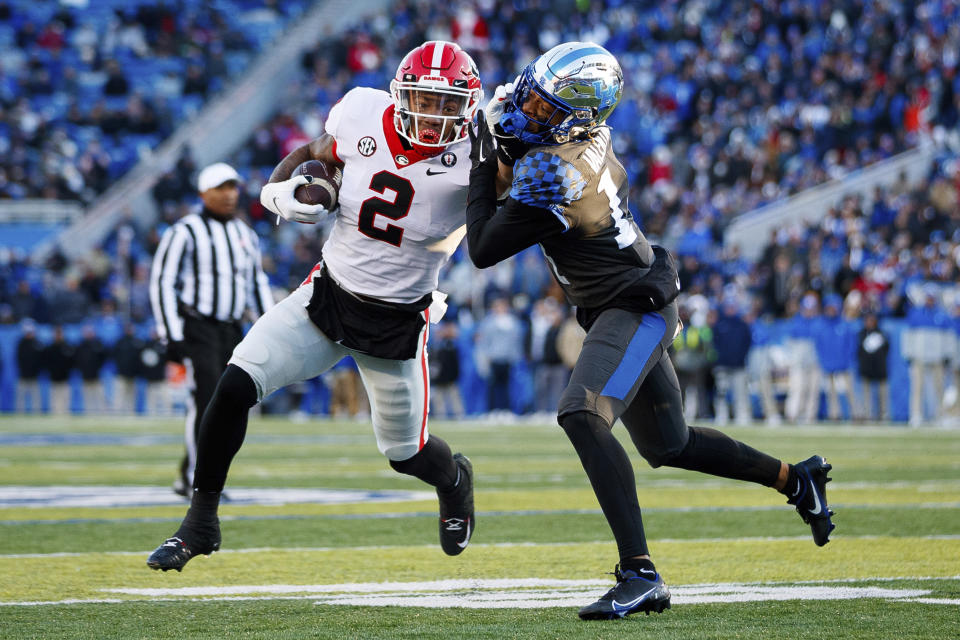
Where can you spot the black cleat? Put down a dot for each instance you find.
(457, 523)
(633, 592)
(811, 502)
(185, 544)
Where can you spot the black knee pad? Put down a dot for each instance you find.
(658, 457)
(579, 424)
(237, 387)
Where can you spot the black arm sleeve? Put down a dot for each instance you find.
(494, 235)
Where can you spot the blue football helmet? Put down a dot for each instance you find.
(581, 81)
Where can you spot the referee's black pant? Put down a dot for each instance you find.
(208, 344)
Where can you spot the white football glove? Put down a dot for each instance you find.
(501, 96)
(278, 198)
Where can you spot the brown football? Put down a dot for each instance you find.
(325, 186)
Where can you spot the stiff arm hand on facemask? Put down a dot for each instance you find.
(278, 198)
(509, 148)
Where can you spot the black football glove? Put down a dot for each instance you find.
(483, 150)
(509, 147)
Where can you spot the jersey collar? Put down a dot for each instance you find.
(399, 151)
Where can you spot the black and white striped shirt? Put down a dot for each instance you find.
(209, 266)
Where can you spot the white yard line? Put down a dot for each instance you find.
(521, 593)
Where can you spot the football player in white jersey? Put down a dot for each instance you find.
(406, 168)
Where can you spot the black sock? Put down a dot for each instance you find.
(455, 484)
(223, 428)
(640, 566)
(203, 509)
(433, 464)
(793, 487)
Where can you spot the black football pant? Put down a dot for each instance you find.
(624, 372)
(208, 344)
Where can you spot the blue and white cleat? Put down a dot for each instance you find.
(811, 502)
(633, 592)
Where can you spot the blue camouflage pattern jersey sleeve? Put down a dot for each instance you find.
(544, 179)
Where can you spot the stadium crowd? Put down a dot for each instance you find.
(86, 88)
(728, 106)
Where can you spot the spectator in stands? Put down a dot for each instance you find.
(550, 374)
(22, 302)
(835, 350)
(570, 339)
(196, 81)
(69, 302)
(153, 369)
(29, 364)
(498, 346)
(924, 346)
(761, 363)
(803, 394)
(731, 341)
(90, 356)
(693, 354)
(951, 396)
(348, 398)
(126, 357)
(873, 347)
(445, 372)
(59, 359)
(778, 288)
(117, 84)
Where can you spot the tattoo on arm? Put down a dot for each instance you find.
(318, 149)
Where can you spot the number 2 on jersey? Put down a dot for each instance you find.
(625, 233)
(395, 210)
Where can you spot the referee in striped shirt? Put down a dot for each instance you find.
(206, 273)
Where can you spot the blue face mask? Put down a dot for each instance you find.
(517, 123)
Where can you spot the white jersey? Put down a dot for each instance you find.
(401, 215)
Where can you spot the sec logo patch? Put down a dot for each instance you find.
(367, 146)
(448, 159)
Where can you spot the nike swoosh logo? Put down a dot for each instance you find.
(434, 173)
(466, 540)
(816, 501)
(275, 203)
(626, 606)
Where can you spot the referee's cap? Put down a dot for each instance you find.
(215, 175)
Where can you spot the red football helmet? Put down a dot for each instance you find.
(436, 93)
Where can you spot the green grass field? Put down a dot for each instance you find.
(740, 562)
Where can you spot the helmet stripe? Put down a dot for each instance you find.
(437, 61)
(576, 54)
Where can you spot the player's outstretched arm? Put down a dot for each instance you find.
(494, 235)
